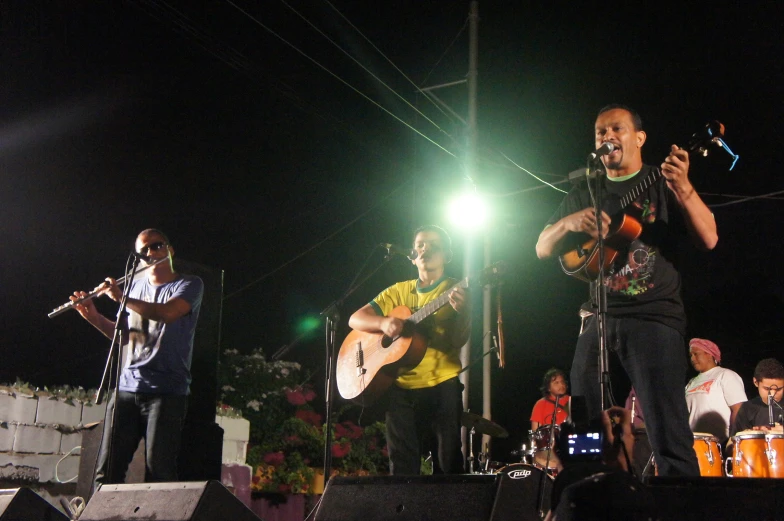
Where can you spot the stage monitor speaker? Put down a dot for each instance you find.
(466, 497)
(22, 504)
(181, 501)
(718, 498)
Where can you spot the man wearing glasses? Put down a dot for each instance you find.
(157, 335)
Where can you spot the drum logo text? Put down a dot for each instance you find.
(519, 474)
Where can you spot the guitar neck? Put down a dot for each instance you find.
(436, 304)
(653, 176)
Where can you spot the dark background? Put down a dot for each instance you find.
(197, 119)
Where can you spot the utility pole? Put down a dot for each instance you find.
(470, 169)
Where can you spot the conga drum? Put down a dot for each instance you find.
(748, 455)
(708, 451)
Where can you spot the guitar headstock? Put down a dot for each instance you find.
(711, 134)
(491, 275)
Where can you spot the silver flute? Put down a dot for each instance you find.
(69, 305)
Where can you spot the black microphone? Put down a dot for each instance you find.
(603, 150)
(394, 249)
(139, 256)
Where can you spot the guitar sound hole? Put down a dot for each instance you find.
(386, 342)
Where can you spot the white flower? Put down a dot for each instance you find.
(254, 404)
(284, 371)
(231, 352)
(228, 388)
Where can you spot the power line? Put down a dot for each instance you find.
(330, 40)
(341, 80)
(319, 243)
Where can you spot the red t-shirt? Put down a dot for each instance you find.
(543, 411)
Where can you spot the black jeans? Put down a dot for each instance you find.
(157, 419)
(410, 412)
(654, 357)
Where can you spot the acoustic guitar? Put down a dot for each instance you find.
(583, 261)
(368, 363)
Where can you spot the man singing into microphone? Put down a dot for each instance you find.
(428, 396)
(646, 321)
(157, 335)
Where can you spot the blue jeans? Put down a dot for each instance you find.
(410, 412)
(157, 419)
(654, 357)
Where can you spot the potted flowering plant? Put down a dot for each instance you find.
(285, 432)
(287, 435)
(359, 451)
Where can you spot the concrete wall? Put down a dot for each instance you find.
(40, 438)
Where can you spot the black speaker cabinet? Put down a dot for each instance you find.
(182, 501)
(761, 499)
(408, 498)
(22, 504)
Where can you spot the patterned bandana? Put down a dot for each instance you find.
(707, 346)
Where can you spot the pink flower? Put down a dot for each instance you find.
(295, 397)
(340, 431)
(274, 458)
(340, 450)
(308, 393)
(350, 430)
(309, 417)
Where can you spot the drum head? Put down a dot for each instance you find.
(748, 434)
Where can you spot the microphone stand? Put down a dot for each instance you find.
(771, 421)
(332, 315)
(109, 381)
(547, 461)
(601, 289)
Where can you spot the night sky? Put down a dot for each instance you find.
(197, 118)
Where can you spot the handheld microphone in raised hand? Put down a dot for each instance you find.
(603, 150)
(397, 250)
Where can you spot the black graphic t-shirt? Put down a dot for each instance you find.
(643, 282)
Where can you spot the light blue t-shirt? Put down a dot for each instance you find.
(158, 355)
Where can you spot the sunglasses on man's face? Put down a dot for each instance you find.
(152, 247)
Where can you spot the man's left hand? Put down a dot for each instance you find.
(458, 299)
(676, 170)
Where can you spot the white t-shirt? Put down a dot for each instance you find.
(709, 396)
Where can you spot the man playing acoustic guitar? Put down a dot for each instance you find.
(646, 321)
(429, 395)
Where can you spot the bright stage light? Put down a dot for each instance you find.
(468, 212)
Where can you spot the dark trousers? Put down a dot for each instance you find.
(654, 357)
(413, 411)
(157, 419)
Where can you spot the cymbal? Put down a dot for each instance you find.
(483, 425)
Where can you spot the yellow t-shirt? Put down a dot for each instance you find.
(442, 360)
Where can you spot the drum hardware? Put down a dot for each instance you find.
(478, 424)
(542, 448)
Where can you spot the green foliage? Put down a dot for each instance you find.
(64, 393)
(287, 436)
